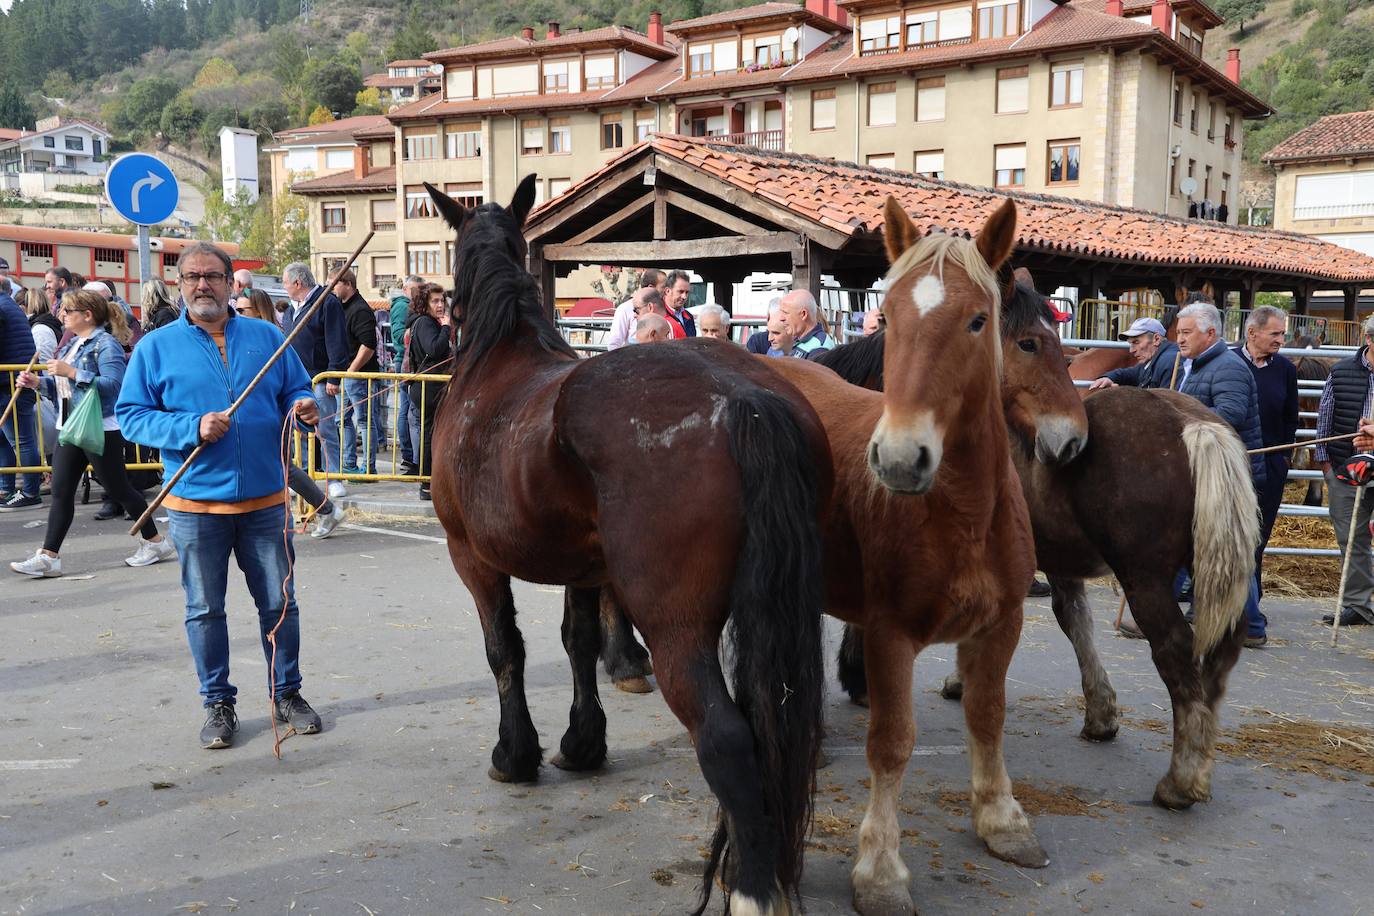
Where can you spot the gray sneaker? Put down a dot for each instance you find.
(220, 725)
(292, 710)
(150, 552)
(327, 522)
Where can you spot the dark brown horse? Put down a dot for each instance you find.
(551, 469)
(1161, 484)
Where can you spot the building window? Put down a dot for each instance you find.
(1066, 84)
(1013, 90)
(338, 158)
(334, 217)
(1225, 188)
(467, 193)
(50, 143)
(556, 77)
(1230, 131)
(109, 256)
(384, 215)
(383, 273)
(169, 261)
(930, 163)
(419, 205)
(599, 73)
(1063, 161)
(421, 146)
(921, 28)
(699, 60)
(96, 148)
(998, 18)
(558, 186)
(645, 123)
(612, 131)
(1190, 39)
(560, 135)
(74, 143)
(822, 109)
(463, 142)
(882, 161)
(40, 250)
(1193, 115)
(1207, 183)
(531, 138)
(422, 259)
(1212, 121)
(880, 35)
(882, 104)
(1010, 164)
(930, 99)
(1178, 104)
(1173, 175)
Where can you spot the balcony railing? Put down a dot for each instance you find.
(1334, 211)
(770, 140)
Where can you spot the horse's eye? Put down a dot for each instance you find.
(1028, 344)
(977, 323)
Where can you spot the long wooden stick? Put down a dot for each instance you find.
(14, 390)
(1121, 611)
(1345, 566)
(271, 360)
(1304, 444)
(1177, 356)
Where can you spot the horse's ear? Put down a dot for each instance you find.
(899, 232)
(998, 235)
(522, 202)
(453, 212)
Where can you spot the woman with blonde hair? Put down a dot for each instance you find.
(254, 303)
(90, 364)
(156, 305)
(46, 329)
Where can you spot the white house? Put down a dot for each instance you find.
(63, 145)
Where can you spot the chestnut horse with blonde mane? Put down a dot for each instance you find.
(550, 468)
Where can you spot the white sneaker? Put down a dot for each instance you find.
(328, 522)
(150, 552)
(336, 490)
(40, 566)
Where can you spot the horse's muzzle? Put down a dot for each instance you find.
(1059, 440)
(905, 458)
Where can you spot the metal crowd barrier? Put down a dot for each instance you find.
(588, 335)
(382, 402)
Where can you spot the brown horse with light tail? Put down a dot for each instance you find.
(550, 469)
(1161, 484)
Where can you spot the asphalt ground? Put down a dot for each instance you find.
(109, 805)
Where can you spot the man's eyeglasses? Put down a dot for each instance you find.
(214, 279)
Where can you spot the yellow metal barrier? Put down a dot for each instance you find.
(9, 372)
(387, 392)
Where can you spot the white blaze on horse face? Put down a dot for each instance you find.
(928, 293)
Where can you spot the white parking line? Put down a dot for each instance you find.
(400, 534)
(57, 764)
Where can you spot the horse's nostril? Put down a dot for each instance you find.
(923, 460)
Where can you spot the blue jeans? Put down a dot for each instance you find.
(358, 403)
(1256, 622)
(203, 543)
(328, 429)
(413, 426)
(402, 432)
(22, 423)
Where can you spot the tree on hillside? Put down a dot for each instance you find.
(288, 57)
(368, 102)
(141, 107)
(181, 119)
(1238, 11)
(15, 111)
(216, 72)
(320, 115)
(412, 41)
(333, 83)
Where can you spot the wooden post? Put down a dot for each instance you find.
(1352, 301)
(807, 263)
(543, 271)
(1302, 299)
(1247, 294)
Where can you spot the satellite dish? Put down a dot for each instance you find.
(1188, 186)
(790, 36)
(436, 69)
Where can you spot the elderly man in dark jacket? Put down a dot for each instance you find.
(1154, 353)
(1221, 380)
(1345, 405)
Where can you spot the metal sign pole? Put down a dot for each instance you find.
(145, 260)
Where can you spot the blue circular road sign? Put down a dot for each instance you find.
(142, 189)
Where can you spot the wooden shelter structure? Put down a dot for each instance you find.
(726, 211)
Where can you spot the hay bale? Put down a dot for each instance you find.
(1302, 577)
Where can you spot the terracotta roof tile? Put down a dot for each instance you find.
(850, 198)
(1332, 137)
(613, 34)
(352, 123)
(375, 182)
(769, 10)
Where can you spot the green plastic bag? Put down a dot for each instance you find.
(85, 428)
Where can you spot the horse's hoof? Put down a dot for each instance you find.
(952, 689)
(1096, 731)
(1168, 796)
(886, 900)
(1018, 848)
(647, 668)
(576, 766)
(634, 685)
(860, 699)
(502, 776)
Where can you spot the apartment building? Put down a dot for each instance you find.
(1324, 181)
(405, 81)
(318, 150)
(1096, 99)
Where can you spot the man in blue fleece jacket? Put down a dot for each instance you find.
(180, 381)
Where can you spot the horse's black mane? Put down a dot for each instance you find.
(860, 362)
(495, 293)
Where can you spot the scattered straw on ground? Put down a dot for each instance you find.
(1303, 746)
(1302, 577)
(1053, 799)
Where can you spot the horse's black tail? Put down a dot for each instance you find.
(850, 668)
(775, 620)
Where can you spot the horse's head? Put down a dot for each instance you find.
(943, 348)
(1039, 400)
(491, 228)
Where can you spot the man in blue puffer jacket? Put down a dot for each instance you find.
(181, 380)
(1213, 373)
